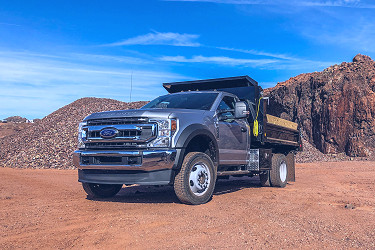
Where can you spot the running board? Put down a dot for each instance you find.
(239, 172)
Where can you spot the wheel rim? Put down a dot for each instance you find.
(283, 171)
(199, 179)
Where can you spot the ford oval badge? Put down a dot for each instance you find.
(108, 133)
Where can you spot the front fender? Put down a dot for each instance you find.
(186, 136)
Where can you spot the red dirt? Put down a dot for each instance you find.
(48, 209)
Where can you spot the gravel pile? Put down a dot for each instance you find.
(312, 154)
(51, 142)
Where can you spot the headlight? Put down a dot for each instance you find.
(166, 129)
(81, 134)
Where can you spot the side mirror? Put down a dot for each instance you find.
(241, 110)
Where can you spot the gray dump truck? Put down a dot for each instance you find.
(199, 132)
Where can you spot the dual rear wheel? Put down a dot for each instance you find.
(277, 176)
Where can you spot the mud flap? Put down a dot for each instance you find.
(290, 162)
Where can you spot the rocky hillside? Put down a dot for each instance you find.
(51, 142)
(11, 128)
(335, 107)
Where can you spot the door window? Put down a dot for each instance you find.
(227, 104)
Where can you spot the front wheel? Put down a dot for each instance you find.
(101, 190)
(195, 182)
(279, 171)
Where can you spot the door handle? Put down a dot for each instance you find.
(243, 129)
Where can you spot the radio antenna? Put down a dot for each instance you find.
(131, 85)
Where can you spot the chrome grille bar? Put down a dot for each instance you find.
(126, 132)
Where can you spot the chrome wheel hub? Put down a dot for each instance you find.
(199, 179)
(283, 171)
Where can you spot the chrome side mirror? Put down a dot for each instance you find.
(241, 110)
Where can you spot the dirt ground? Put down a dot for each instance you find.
(48, 209)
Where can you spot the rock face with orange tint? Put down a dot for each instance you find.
(335, 107)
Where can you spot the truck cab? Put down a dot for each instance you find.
(200, 131)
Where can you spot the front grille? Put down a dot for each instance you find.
(117, 121)
(130, 133)
(121, 133)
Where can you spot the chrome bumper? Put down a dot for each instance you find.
(151, 160)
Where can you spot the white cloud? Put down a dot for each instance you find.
(219, 60)
(301, 3)
(158, 38)
(259, 53)
(296, 64)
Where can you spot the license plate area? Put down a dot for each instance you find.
(112, 160)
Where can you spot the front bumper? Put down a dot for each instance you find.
(149, 167)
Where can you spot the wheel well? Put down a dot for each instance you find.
(204, 144)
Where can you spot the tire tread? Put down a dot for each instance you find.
(275, 172)
(180, 188)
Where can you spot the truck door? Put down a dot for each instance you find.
(233, 134)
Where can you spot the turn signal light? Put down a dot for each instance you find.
(173, 125)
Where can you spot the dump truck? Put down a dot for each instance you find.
(199, 132)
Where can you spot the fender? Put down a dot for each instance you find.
(189, 133)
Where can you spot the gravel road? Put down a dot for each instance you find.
(332, 205)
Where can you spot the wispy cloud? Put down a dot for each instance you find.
(9, 24)
(285, 61)
(259, 53)
(219, 60)
(253, 63)
(358, 38)
(44, 83)
(302, 3)
(158, 38)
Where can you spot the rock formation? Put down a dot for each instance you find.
(335, 107)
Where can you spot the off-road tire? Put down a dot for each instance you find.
(265, 179)
(279, 171)
(182, 181)
(95, 190)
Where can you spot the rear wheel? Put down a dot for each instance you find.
(101, 190)
(195, 182)
(265, 179)
(279, 171)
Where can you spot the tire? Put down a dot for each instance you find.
(265, 179)
(101, 190)
(279, 171)
(195, 182)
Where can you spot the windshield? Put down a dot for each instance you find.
(184, 100)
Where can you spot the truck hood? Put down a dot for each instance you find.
(151, 113)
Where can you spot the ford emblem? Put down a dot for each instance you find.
(108, 133)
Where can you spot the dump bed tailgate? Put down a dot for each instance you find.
(281, 131)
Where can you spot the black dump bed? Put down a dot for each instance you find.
(244, 87)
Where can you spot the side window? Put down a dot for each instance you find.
(227, 104)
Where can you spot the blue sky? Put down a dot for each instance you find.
(54, 52)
